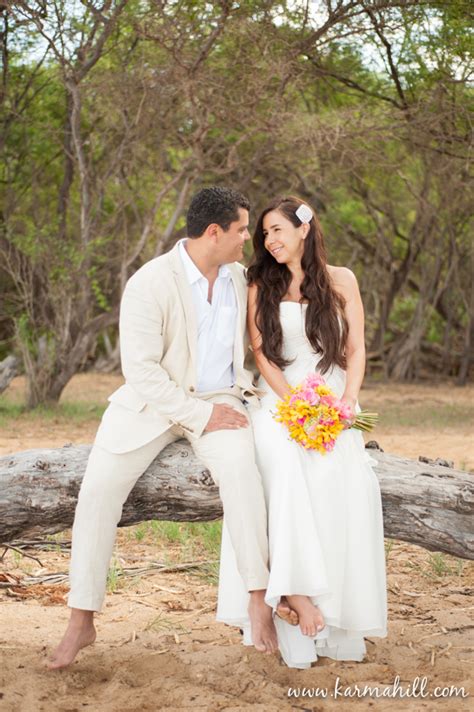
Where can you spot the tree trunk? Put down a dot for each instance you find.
(468, 353)
(424, 504)
(110, 361)
(53, 362)
(8, 371)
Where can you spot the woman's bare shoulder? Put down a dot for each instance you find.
(343, 278)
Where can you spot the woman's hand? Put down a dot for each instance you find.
(285, 391)
(351, 402)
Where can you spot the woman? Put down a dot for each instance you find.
(325, 522)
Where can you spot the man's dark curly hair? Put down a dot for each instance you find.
(214, 205)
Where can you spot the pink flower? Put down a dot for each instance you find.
(310, 396)
(347, 412)
(326, 400)
(327, 422)
(313, 380)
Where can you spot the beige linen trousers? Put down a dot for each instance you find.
(157, 405)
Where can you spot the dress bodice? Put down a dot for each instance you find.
(298, 349)
(295, 341)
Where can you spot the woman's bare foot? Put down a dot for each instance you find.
(261, 621)
(80, 633)
(310, 618)
(286, 613)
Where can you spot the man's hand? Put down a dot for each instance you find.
(224, 417)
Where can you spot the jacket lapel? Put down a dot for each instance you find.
(186, 296)
(241, 296)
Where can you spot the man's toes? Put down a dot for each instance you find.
(55, 664)
(260, 647)
(270, 646)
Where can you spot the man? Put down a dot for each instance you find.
(183, 343)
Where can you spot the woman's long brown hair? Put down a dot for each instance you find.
(326, 334)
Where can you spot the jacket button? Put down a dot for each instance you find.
(192, 389)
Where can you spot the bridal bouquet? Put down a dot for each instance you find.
(315, 417)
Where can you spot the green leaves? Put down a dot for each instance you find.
(363, 114)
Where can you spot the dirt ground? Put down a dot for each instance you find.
(158, 645)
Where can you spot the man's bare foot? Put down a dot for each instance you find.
(80, 633)
(261, 621)
(286, 613)
(310, 618)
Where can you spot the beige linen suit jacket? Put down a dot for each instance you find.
(158, 343)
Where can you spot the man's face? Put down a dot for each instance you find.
(231, 242)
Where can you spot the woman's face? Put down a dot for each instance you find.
(282, 239)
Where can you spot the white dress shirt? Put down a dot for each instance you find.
(216, 324)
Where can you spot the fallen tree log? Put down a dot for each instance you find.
(425, 504)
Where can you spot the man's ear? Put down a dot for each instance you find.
(213, 231)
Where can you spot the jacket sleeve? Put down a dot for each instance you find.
(141, 348)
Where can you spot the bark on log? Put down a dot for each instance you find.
(424, 504)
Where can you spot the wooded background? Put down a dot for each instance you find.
(115, 112)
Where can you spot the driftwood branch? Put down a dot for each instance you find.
(425, 504)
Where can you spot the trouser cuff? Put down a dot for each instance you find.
(257, 583)
(85, 604)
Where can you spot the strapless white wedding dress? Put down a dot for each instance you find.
(325, 526)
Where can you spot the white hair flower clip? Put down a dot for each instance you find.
(304, 213)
